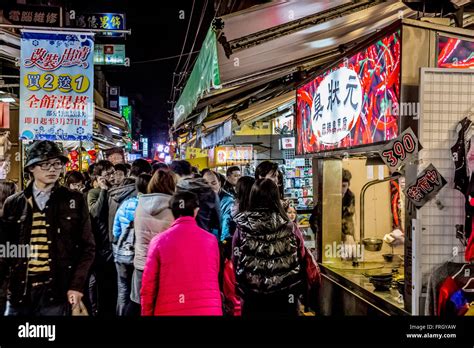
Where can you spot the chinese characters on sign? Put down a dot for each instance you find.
(231, 155)
(288, 143)
(33, 15)
(400, 150)
(144, 142)
(56, 86)
(353, 103)
(110, 21)
(337, 105)
(425, 187)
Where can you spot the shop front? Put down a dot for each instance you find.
(378, 178)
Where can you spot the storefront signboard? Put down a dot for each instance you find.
(56, 89)
(428, 183)
(110, 54)
(144, 142)
(106, 21)
(193, 152)
(352, 104)
(231, 155)
(30, 15)
(400, 150)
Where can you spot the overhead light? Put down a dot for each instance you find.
(6, 98)
(114, 130)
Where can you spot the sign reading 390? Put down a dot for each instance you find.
(50, 82)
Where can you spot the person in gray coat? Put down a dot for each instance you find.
(152, 216)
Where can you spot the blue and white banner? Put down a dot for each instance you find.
(57, 86)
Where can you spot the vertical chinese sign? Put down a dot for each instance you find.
(57, 86)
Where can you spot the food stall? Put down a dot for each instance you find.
(361, 115)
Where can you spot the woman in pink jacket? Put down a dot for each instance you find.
(182, 266)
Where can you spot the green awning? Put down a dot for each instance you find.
(204, 77)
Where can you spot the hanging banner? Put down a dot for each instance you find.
(57, 86)
(218, 136)
(425, 187)
(400, 150)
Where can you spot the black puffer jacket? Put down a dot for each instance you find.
(267, 253)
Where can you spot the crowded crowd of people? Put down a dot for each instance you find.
(151, 239)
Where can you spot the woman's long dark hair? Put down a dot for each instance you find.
(242, 189)
(265, 195)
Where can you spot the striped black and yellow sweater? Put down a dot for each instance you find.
(39, 262)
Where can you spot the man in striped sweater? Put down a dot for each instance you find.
(54, 222)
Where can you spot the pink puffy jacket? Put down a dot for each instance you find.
(181, 272)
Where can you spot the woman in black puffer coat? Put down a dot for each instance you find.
(268, 255)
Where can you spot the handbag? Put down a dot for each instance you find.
(313, 281)
(80, 310)
(313, 273)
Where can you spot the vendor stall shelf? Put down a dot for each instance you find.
(298, 175)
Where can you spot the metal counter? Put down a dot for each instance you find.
(341, 287)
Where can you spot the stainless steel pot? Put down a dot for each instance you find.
(372, 244)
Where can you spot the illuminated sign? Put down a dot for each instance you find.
(127, 115)
(110, 54)
(230, 155)
(108, 21)
(144, 142)
(352, 104)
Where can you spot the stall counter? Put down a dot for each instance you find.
(349, 292)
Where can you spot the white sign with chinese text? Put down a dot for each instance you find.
(336, 106)
(56, 86)
(288, 143)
